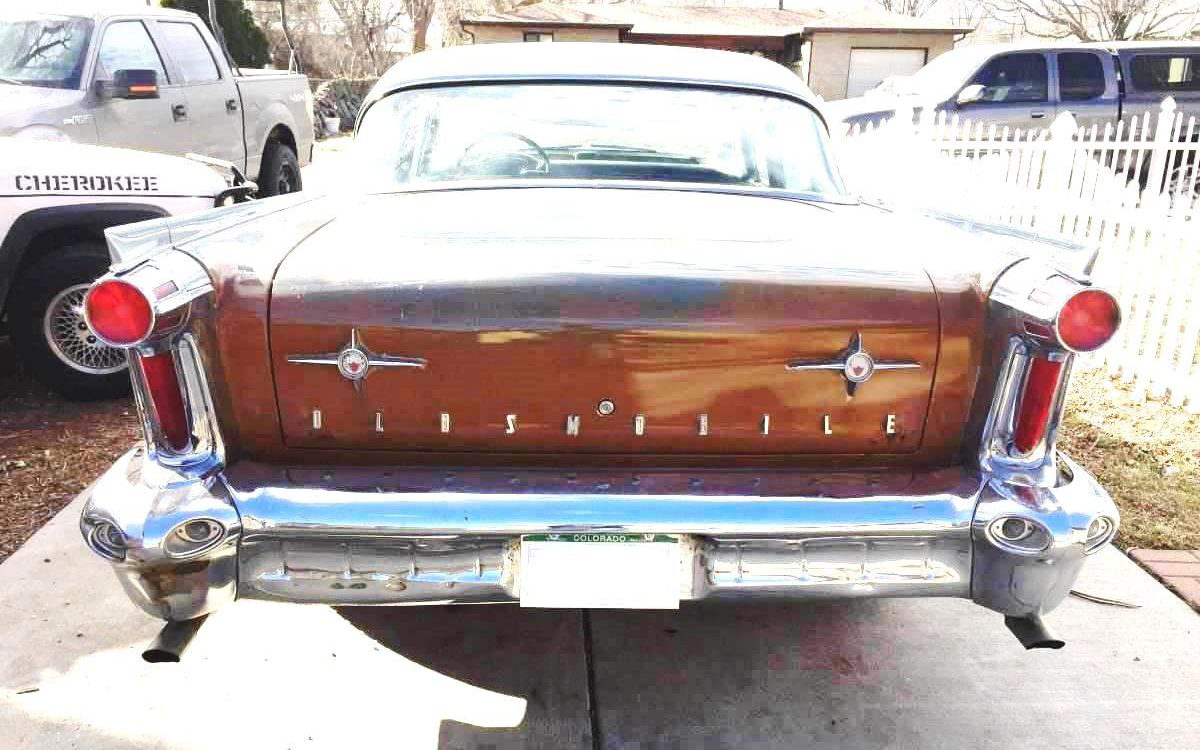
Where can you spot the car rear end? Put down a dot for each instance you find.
(637, 394)
(690, 421)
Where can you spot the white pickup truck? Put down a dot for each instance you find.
(150, 79)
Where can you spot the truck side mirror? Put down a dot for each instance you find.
(134, 84)
(970, 95)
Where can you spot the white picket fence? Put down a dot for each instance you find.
(1130, 189)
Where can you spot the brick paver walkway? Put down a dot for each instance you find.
(1179, 569)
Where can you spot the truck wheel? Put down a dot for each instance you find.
(280, 172)
(48, 330)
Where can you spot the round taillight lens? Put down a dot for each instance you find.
(1088, 320)
(118, 313)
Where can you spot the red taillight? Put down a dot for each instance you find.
(118, 313)
(1088, 320)
(166, 398)
(1041, 388)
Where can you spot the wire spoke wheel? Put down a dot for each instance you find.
(68, 336)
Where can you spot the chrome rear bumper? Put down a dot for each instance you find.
(361, 536)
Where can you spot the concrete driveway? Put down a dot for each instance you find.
(897, 673)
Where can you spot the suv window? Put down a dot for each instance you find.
(127, 46)
(1166, 72)
(1014, 78)
(1080, 76)
(189, 52)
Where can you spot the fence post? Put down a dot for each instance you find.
(901, 131)
(1160, 149)
(1056, 173)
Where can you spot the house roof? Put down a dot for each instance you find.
(654, 20)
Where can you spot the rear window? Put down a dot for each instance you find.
(1080, 76)
(188, 51)
(546, 131)
(1165, 72)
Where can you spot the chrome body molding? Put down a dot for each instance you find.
(362, 536)
(854, 363)
(355, 361)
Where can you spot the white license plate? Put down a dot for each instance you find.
(600, 571)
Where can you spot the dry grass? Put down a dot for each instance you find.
(50, 449)
(1146, 453)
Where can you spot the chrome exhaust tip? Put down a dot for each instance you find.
(172, 641)
(1033, 633)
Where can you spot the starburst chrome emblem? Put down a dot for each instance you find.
(855, 364)
(354, 361)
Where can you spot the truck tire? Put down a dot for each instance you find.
(48, 330)
(280, 172)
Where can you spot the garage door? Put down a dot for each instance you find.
(868, 67)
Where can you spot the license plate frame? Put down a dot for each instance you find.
(599, 570)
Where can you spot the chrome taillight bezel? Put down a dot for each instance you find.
(205, 447)
(1023, 311)
(174, 283)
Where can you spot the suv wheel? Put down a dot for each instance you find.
(280, 172)
(49, 331)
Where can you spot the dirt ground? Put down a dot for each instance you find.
(50, 448)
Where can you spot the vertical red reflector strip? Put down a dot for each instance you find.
(1041, 387)
(166, 398)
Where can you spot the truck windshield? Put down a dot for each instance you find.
(43, 50)
(595, 132)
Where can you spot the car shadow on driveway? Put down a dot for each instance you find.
(701, 676)
(536, 654)
(870, 673)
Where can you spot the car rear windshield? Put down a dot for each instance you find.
(42, 50)
(595, 132)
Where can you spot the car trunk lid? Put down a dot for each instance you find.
(623, 321)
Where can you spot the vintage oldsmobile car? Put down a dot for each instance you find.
(595, 327)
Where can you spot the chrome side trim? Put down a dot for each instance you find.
(293, 503)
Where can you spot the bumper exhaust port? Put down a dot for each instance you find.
(172, 641)
(1033, 633)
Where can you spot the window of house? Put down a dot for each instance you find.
(127, 46)
(1015, 78)
(539, 36)
(1166, 72)
(189, 52)
(1080, 76)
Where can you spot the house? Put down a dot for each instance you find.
(839, 53)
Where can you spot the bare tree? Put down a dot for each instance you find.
(369, 24)
(907, 7)
(421, 14)
(1099, 20)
